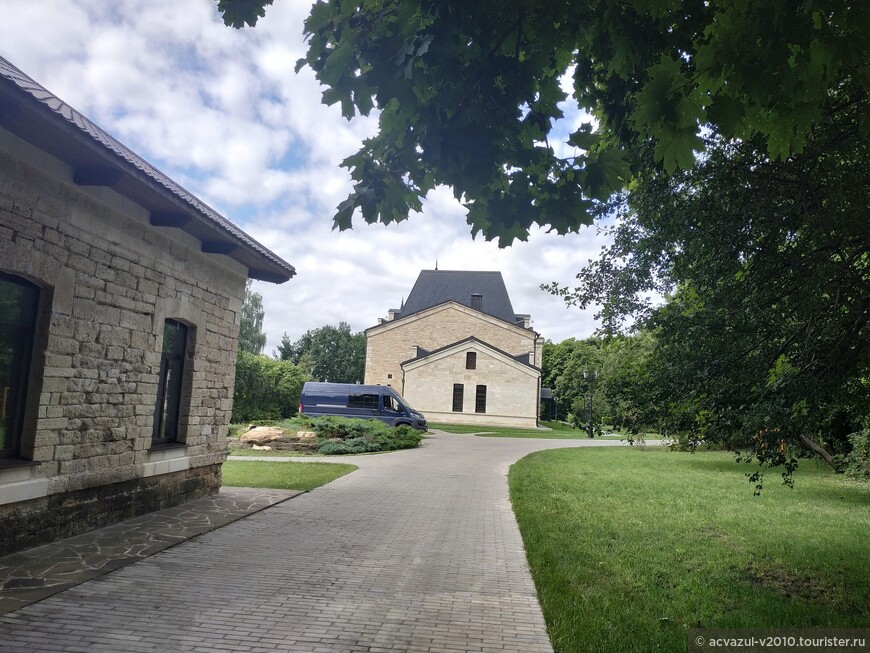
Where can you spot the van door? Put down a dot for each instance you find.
(392, 411)
(364, 405)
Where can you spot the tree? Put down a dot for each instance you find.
(251, 336)
(765, 337)
(469, 94)
(328, 353)
(266, 388)
(616, 370)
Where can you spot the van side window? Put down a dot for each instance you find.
(362, 401)
(389, 404)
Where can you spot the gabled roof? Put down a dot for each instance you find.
(434, 287)
(37, 116)
(522, 360)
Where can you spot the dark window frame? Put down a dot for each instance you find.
(471, 360)
(363, 400)
(22, 335)
(173, 373)
(458, 397)
(480, 399)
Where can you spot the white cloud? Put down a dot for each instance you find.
(223, 113)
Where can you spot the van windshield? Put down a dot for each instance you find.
(398, 403)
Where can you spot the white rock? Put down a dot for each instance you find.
(261, 434)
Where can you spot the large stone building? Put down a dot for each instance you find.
(457, 352)
(120, 301)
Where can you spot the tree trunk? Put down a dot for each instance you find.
(819, 450)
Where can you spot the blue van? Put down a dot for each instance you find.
(361, 401)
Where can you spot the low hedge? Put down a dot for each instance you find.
(341, 435)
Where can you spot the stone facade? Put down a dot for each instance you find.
(108, 281)
(393, 357)
(511, 387)
(392, 342)
(112, 269)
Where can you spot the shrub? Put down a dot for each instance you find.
(266, 389)
(340, 435)
(857, 462)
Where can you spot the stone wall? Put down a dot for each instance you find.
(108, 282)
(391, 343)
(511, 389)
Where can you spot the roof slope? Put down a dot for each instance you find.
(520, 360)
(434, 287)
(35, 115)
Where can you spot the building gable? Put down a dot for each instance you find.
(472, 315)
(472, 344)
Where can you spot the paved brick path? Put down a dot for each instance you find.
(416, 551)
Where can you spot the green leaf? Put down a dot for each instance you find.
(677, 149)
(584, 137)
(339, 64)
(727, 113)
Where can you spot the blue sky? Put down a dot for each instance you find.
(223, 113)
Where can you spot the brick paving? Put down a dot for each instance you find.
(417, 551)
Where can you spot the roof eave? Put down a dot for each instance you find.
(38, 117)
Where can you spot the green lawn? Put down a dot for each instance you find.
(282, 475)
(630, 548)
(558, 431)
(274, 453)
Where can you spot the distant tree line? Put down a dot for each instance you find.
(269, 388)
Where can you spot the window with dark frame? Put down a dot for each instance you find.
(458, 397)
(477, 302)
(19, 303)
(170, 383)
(480, 399)
(363, 401)
(471, 360)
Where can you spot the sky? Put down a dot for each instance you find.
(222, 112)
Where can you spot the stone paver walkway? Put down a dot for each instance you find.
(42, 571)
(417, 551)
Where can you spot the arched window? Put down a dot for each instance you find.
(19, 302)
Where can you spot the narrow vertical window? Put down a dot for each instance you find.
(458, 396)
(477, 302)
(471, 360)
(19, 300)
(480, 399)
(170, 383)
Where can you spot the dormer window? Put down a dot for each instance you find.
(477, 302)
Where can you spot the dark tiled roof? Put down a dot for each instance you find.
(36, 115)
(434, 287)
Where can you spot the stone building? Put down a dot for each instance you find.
(457, 352)
(120, 300)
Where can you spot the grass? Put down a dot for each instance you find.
(274, 453)
(282, 475)
(630, 548)
(559, 431)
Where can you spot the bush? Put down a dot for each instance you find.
(266, 389)
(857, 462)
(340, 436)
